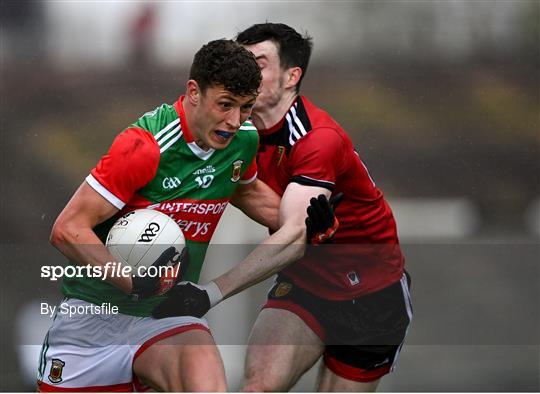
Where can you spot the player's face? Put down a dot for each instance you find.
(219, 116)
(273, 76)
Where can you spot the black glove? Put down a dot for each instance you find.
(321, 223)
(149, 286)
(188, 299)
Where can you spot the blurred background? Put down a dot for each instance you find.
(440, 98)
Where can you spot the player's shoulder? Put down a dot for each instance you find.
(247, 133)
(322, 130)
(162, 119)
(318, 117)
(247, 128)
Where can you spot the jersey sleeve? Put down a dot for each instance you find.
(131, 163)
(251, 173)
(253, 144)
(317, 159)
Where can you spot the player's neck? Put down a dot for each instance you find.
(266, 118)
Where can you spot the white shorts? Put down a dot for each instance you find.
(95, 352)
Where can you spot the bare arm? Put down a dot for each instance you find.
(282, 248)
(259, 202)
(72, 232)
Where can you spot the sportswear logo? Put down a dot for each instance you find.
(236, 170)
(149, 232)
(353, 278)
(283, 289)
(171, 182)
(209, 169)
(168, 135)
(55, 374)
(296, 128)
(279, 153)
(385, 361)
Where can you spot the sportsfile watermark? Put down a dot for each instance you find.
(105, 308)
(111, 269)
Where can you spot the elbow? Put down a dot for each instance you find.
(60, 234)
(57, 235)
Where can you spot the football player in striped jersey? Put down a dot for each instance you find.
(347, 302)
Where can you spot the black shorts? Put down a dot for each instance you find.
(363, 336)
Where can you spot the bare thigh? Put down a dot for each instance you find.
(189, 361)
(281, 348)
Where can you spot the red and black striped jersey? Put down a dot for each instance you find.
(310, 148)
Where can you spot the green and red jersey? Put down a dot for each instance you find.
(156, 164)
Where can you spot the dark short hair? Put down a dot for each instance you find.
(225, 62)
(294, 49)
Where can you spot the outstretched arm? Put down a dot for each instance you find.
(282, 248)
(279, 250)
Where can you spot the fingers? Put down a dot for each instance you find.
(323, 204)
(310, 228)
(316, 214)
(336, 200)
(312, 210)
(178, 271)
(166, 257)
(184, 262)
(184, 255)
(327, 212)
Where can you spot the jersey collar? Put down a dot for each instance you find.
(278, 125)
(183, 122)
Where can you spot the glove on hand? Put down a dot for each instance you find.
(321, 223)
(147, 286)
(188, 299)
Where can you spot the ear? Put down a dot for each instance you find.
(293, 74)
(193, 93)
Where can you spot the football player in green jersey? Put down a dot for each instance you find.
(187, 160)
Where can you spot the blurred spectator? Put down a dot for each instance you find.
(140, 36)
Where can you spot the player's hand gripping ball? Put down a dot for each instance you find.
(155, 285)
(147, 240)
(321, 223)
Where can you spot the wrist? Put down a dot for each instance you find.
(214, 293)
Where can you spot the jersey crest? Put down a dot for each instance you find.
(236, 170)
(55, 373)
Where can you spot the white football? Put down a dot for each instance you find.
(139, 237)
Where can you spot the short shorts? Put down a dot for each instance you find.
(95, 352)
(363, 336)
